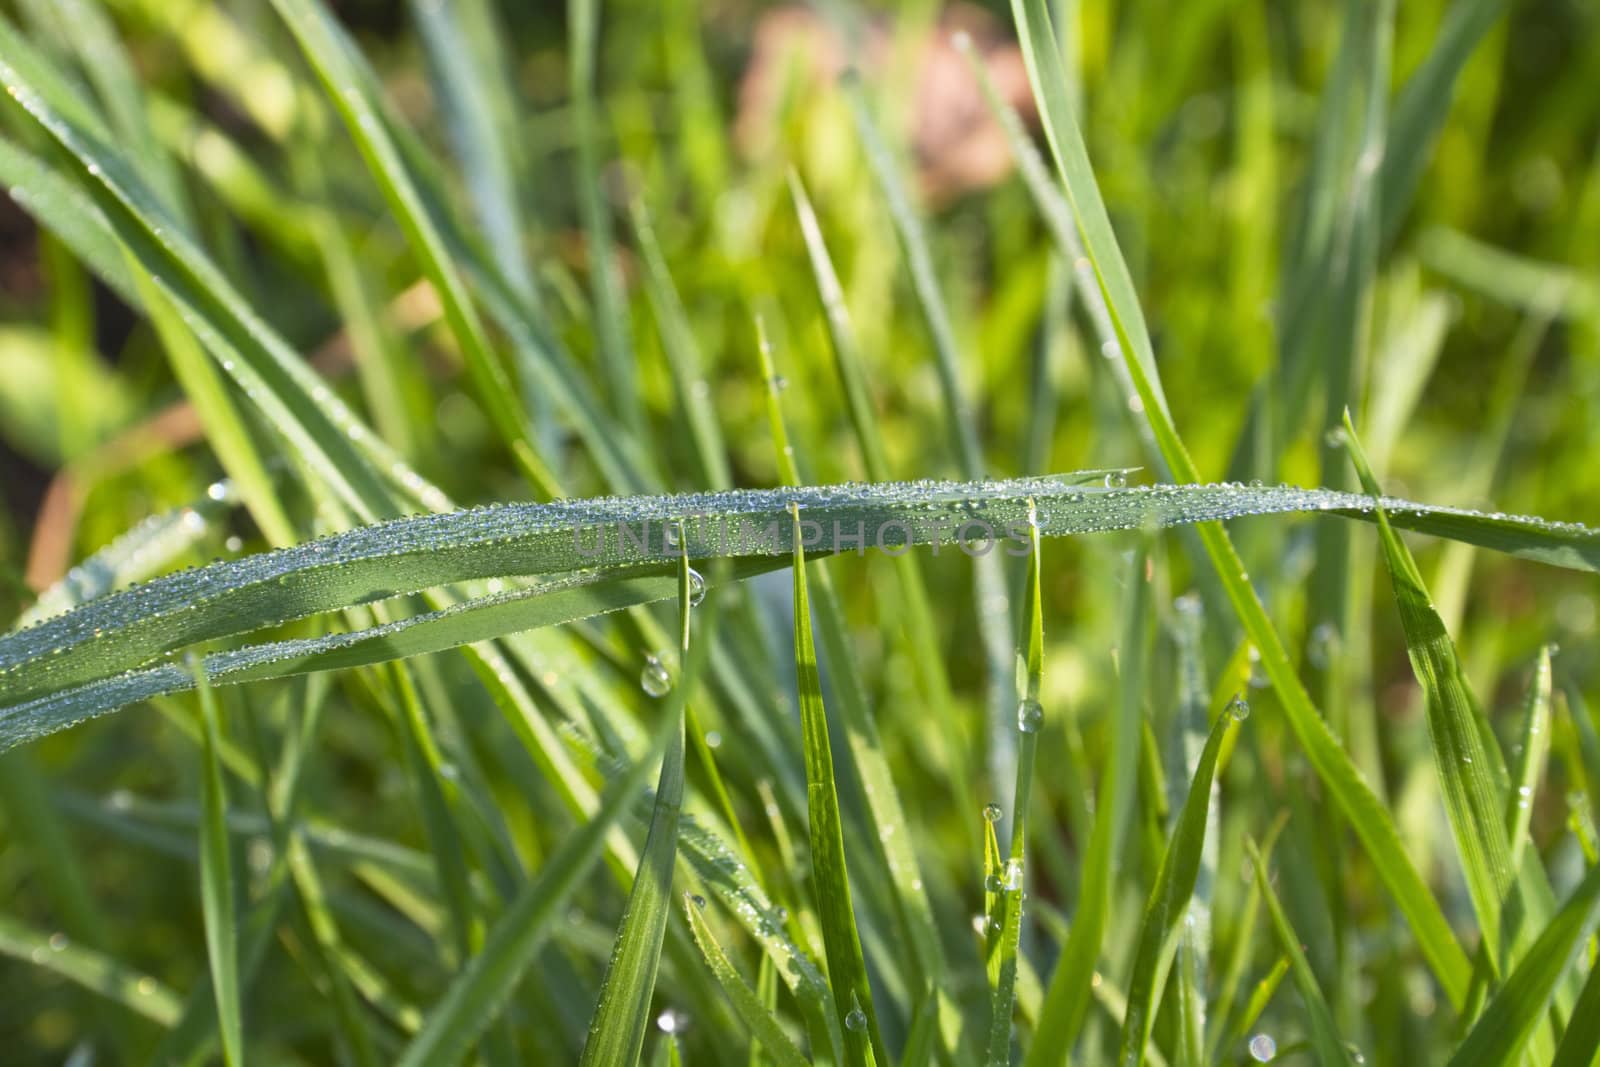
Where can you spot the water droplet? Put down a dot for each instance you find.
(653, 678)
(1263, 1048)
(713, 739)
(697, 900)
(779, 383)
(855, 1020)
(994, 883)
(1239, 708)
(1356, 1055)
(780, 914)
(1013, 882)
(1334, 438)
(992, 812)
(697, 588)
(58, 942)
(672, 1021)
(1116, 480)
(1030, 715)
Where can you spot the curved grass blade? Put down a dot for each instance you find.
(121, 631)
(616, 1035)
(1365, 812)
(847, 968)
(216, 878)
(93, 970)
(461, 624)
(1175, 882)
(1498, 1037)
(143, 550)
(1325, 1043)
(489, 979)
(1476, 808)
(756, 1015)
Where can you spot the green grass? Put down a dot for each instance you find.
(455, 291)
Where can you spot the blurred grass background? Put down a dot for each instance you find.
(1200, 119)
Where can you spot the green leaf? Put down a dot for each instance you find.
(1180, 866)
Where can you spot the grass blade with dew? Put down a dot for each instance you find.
(1012, 876)
(93, 970)
(98, 641)
(1532, 749)
(616, 1035)
(1067, 995)
(847, 969)
(1330, 1051)
(216, 878)
(1475, 806)
(325, 49)
(764, 1027)
(1498, 1037)
(1366, 814)
(1175, 882)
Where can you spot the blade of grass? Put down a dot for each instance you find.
(1533, 749)
(1581, 1041)
(1325, 1043)
(1366, 814)
(1029, 721)
(93, 970)
(216, 879)
(756, 1015)
(1476, 808)
(616, 1035)
(1175, 882)
(847, 968)
(110, 636)
(1066, 999)
(1498, 1037)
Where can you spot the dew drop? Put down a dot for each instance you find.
(1116, 480)
(698, 901)
(1263, 1048)
(653, 677)
(994, 883)
(992, 812)
(855, 1020)
(1239, 708)
(672, 1021)
(1030, 715)
(697, 588)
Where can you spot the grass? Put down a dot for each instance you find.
(375, 786)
